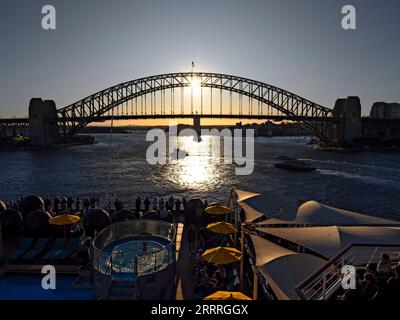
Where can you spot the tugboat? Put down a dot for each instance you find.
(293, 164)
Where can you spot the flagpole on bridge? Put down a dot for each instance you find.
(191, 91)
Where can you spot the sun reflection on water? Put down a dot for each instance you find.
(198, 170)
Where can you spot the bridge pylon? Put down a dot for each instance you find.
(43, 125)
(197, 125)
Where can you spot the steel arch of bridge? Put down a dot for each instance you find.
(77, 115)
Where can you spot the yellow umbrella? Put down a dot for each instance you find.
(64, 219)
(217, 209)
(227, 295)
(222, 255)
(222, 227)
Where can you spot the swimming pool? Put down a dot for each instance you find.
(138, 256)
(128, 255)
(139, 253)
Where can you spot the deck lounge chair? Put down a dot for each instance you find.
(23, 247)
(58, 245)
(68, 250)
(38, 248)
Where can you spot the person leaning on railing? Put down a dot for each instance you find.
(392, 288)
(384, 267)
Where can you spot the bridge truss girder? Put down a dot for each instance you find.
(289, 104)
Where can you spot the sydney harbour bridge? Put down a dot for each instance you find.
(185, 95)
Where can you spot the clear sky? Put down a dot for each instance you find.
(298, 45)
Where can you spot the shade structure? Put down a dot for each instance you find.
(3, 206)
(243, 195)
(227, 295)
(242, 198)
(328, 241)
(258, 206)
(222, 227)
(313, 213)
(95, 221)
(11, 223)
(217, 210)
(283, 269)
(64, 220)
(36, 224)
(222, 255)
(31, 203)
(125, 214)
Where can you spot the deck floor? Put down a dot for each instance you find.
(184, 269)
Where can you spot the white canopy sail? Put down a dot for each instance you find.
(257, 206)
(283, 269)
(328, 241)
(313, 213)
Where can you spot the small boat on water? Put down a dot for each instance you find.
(294, 164)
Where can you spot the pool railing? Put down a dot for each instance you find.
(145, 263)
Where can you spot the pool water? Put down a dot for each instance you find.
(147, 257)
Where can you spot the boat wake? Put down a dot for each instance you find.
(352, 164)
(365, 179)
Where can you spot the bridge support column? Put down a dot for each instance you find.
(197, 125)
(348, 111)
(43, 126)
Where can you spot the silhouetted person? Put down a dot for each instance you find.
(392, 290)
(161, 204)
(20, 203)
(369, 286)
(86, 205)
(118, 205)
(77, 204)
(63, 204)
(92, 202)
(70, 203)
(56, 205)
(138, 204)
(146, 204)
(178, 207)
(171, 203)
(384, 268)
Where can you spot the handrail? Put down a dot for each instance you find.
(333, 263)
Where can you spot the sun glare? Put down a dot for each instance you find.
(196, 85)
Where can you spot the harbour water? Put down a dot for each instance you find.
(367, 182)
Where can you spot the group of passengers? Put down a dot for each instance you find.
(171, 204)
(208, 277)
(71, 204)
(379, 281)
(60, 205)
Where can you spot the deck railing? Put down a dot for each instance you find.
(324, 282)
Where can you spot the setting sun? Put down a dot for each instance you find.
(196, 85)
